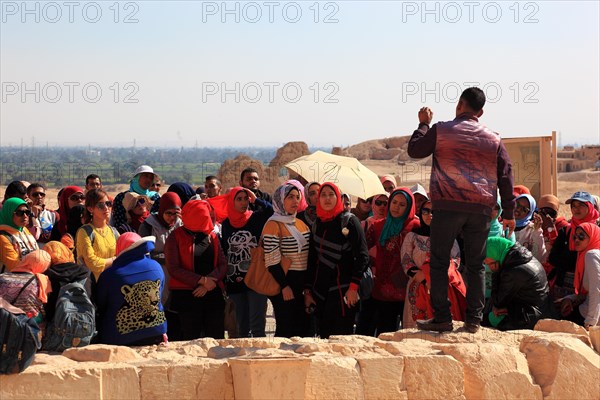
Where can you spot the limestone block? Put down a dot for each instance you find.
(595, 337)
(563, 366)
(189, 379)
(119, 381)
(433, 377)
(58, 361)
(85, 381)
(101, 353)
(269, 378)
(259, 343)
(493, 371)
(383, 377)
(409, 347)
(82, 383)
(333, 378)
(220, 352)
(459, 335)
(552, 325)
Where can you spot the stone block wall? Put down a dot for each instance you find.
(556, 361)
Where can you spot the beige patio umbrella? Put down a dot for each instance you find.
(347, 173)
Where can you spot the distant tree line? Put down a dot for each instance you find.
(60, 166)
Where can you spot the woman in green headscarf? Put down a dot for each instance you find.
(15, 239)
(496, 230)
(520, 289)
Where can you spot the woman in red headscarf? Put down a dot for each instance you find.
(240, 233)
(69, 197)
(337, 258)
(389, 290)
(162, 224)
(197, 267)
(583, 307)
(563, 255)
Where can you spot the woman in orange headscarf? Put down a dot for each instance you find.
(197, 266)
(26, 286)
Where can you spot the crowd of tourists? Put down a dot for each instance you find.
(177, 265)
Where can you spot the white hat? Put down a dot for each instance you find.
(419, 189)
(143, 169)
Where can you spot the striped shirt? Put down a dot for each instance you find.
(275, 246)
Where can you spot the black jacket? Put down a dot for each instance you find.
(562, 259)
(521, 287)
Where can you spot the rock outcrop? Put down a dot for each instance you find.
(407, 364)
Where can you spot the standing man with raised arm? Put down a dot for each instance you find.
(469, 165)
(249, 180)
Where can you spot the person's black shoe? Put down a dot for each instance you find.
(433, 325)
(471, 327)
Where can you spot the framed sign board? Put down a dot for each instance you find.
(534, 163)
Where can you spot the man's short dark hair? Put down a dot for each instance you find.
(15, 189)
(211, 177)
(92, 177)
(248, 170)
(34, 185)
(474, 97)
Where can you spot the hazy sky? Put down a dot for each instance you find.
(268, 72)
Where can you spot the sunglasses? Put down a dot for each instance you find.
(426, 211)
(20, 213)
(522, 209)
(104, 204)
(579, 236)
(76, 197)
(141, 202)
(550, 212)
(38, 194)
(380, 203)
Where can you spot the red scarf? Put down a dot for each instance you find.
(225, 209)
(168, 201)
(63, 206)
(196, 216)
(591, 216)
(593, 231)
(336, 210)
(136, 220)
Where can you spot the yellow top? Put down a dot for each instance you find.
(94, 255)
(11, 254)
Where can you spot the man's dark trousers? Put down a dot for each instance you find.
(445, 227)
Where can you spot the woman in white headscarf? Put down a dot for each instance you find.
(287, 236)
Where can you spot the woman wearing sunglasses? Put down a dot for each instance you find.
(15, 239)
(528, 231)
(137, 209)
(583, 307)
(96, 241)
(70, 196)
(563, 256)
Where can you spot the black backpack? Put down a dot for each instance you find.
(19, 339)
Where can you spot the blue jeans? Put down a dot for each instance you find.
(445, 227)
(250, 312)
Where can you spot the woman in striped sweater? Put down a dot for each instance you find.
(285, 235)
